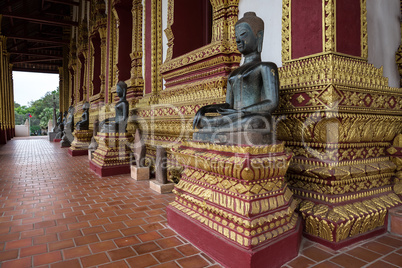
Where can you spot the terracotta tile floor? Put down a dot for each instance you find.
(55, 212)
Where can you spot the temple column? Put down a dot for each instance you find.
(12, 100)
(136, 79)
(103, 36)
(341, 116)
(4, 92)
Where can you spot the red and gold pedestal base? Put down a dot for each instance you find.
(82, 139)
(233, 203)
(112, 157)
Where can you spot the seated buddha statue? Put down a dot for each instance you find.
(83, 124)
(252, 88)
(63, 122)
(118, 124)
(69, 125)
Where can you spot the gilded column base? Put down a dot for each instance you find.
(238, 194)
(112, 157)
(82, 139)
(395, 153)
(345, 203)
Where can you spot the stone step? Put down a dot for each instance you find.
(395, 221)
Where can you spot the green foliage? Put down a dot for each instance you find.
(41, 111)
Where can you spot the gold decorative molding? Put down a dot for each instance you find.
(335, 224)
(286, 31)
(136, 80)
(364, 35)
(168, 31)
(329, 25)
(156, 48)
(332, 68)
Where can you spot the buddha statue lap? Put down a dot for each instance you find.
(252, 93)
(118, 124)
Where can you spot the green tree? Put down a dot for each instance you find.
(44, 107)
(41, 111)
(21, 113)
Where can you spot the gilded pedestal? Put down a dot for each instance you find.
(112, 157)
(233, 203)
(82, 139)
(340, 118)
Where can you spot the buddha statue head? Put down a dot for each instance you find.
(249, 33)
(121, 90)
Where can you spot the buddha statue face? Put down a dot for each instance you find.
(249, 32)
(119, 91)
(246, 41)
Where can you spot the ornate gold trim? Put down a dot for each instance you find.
(364, 35)
(286, 31)
(168, 31)
(329, 25)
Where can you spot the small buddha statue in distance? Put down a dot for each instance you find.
(83, 124)
(63, 122)
(59, 120)
(252, 89)
(118, 124)
(70, 119)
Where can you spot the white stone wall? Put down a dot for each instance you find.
(384, 36)
(21, 130)
(271, 13)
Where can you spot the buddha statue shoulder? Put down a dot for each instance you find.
(252, 89)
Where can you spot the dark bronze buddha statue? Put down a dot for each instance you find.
(83, 124)
(252, 89)
(118, 124)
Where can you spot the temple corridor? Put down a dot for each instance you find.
(56, 212)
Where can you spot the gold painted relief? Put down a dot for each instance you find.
(346, 220)
(329, 25)
(364, 35)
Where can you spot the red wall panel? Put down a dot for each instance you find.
(306, 27)
(348, 26)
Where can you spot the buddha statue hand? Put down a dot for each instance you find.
(240, 112)
(212, 108)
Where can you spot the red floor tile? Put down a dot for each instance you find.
(142, 261)
(47, 258)
(381, 264)
(121, 253)
(169, 242)
(188, 250)
(146, 247)
(29, 251)
(19, 243)
(8, 255)
(316, 254)
(378, 247)
(76, 252)
(167, 255)
(116, 264)
(57, 213)
(193, 262)
(94, 259)
(394, 259)
(364, 254)
(20, 263)
(345, 260)
(126, 241)
(67, 264)
(102, 246)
